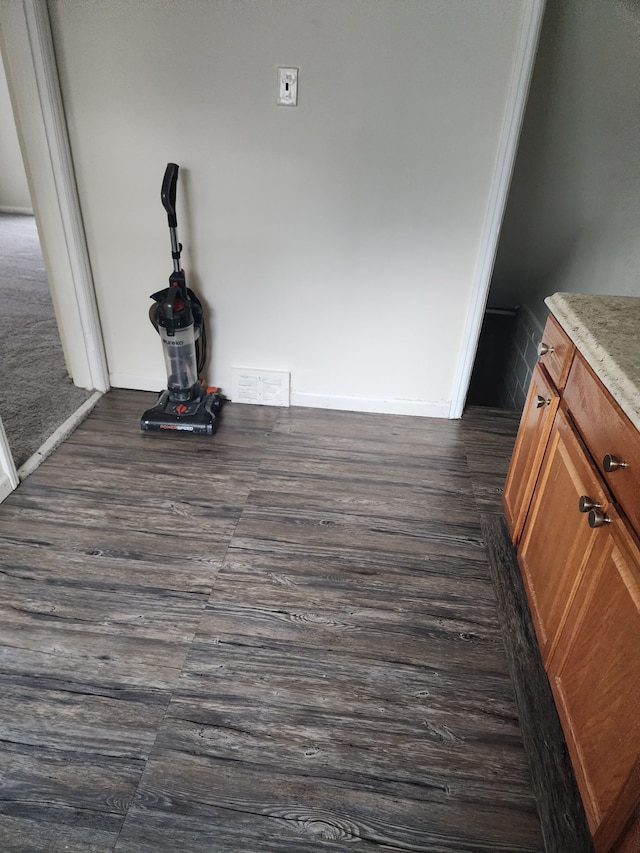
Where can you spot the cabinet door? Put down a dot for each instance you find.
(619, 830)
(535, 426)
(595, 675)
(557, 540)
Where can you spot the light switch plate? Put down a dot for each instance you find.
(288, 87)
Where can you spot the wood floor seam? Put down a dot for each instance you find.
(136, 795)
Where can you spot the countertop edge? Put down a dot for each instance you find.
(598, 354)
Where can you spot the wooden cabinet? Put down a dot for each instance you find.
(557, 541)
(594, 670)
(625, 813)
(548, 380)
(576, 525)
(535, 427)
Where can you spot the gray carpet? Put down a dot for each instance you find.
(36, 392)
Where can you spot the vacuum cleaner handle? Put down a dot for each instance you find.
(168, 193)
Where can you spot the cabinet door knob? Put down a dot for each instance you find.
(612, 463)
(543, 348)
(585, 504)
(598, 518)
(542, 401)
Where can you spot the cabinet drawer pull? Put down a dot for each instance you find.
(585, 504)
(612, 463)
(542, 401)
(543, 348)
(598, 518)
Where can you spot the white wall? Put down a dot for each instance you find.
(14, 192)
(572, 221)
(337, 240)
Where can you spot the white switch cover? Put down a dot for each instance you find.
(261, 387)
(288, 87)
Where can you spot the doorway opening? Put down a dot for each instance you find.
(36, 392)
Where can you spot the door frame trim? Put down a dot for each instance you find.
(505, 161)
(8, 474)
(34, 86)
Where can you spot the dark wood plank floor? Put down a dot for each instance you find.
(284, 638)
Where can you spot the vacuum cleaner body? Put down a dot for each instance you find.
(186, 405)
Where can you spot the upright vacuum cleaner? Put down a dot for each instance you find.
(186, 405)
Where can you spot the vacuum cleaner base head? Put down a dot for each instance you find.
(197, 416)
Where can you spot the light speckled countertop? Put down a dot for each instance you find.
(606, 330)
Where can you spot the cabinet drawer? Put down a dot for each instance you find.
(556, 352)
(606, 430)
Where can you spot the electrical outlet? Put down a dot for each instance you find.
(288, 87)
(261, 387)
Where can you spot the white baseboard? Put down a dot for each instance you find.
(137, 383)
(16, 211)
(418, 408)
